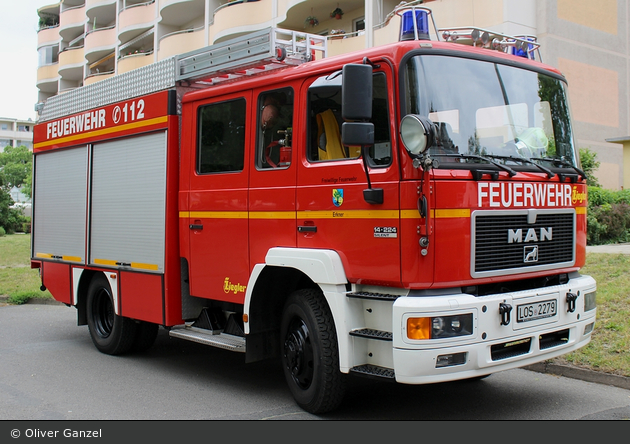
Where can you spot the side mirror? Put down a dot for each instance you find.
(357, 133)
(356, 92)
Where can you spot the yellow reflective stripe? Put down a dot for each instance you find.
(409, 214)
(105, 262)
(272, 215)
(450, 213)
(113, 263)
(144, 266)
(328, 214)
(63, 258)
(580, 210)
(218, 214)
(349, 214)
(128, 126)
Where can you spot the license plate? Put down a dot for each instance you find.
(537, 310)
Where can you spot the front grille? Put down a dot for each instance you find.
(540, 239)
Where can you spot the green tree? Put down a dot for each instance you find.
(16, 166)
(590, 164)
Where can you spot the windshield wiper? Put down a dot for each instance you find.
(563, 163)
(494, 174)
(546, 170)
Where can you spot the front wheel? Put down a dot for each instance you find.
(110, 333)
(310, 356)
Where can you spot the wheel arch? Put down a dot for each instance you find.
(285, 271)
(82, 278)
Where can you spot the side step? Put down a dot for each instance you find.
(374, 371)
(203, 336)
(371, 333)
(377, 296)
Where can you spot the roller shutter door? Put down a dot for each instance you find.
(59, 216)
(127, 221)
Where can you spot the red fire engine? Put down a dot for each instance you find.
(414, 212)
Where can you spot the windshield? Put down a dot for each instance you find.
(507, 114)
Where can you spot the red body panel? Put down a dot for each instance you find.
(57, 278)
(141, 296)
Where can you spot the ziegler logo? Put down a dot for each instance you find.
(516, 236)
(229, 287)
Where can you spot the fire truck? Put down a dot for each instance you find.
(413, 212)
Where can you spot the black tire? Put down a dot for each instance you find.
(310, 355)
(146, 333)
(110, 333)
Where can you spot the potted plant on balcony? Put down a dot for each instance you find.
(311, 21)
(337, 13)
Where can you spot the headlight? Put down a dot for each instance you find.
(416, 133)
(439, 327)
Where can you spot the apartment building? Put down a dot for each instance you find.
(81, 42)
(16, 132)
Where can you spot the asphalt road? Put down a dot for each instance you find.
(51, 371)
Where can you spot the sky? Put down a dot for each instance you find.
(18, 75)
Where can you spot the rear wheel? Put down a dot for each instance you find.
(110, 333)
(310, 356)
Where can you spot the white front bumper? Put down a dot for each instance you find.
(491, 347)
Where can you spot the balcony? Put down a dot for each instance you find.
(48, 78)
(48, 36)
(179, 13)
(71, 63)
(72, 22)
(134, 61)
(97, 78)
(99, 43)
(181, 41)
(136, 19)
(93, 7)
(238, 17)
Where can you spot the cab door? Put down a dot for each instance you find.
(273, 174)
(218, 199)
(332, 212)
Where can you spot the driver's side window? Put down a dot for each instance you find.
(275, 126)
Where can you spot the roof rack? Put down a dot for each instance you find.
(251, 54)
(522, 45)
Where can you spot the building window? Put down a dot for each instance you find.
(48, 55)
(358, 24)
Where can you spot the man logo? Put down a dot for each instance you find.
(516, 236)
(530, 254)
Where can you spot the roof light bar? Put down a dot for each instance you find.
(522, 46)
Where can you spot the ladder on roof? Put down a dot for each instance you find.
(251, 54)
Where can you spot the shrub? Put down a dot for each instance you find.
(21, 297)
(608, 217)
(2, 232)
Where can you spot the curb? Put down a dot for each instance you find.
(38, 301)
(580, 373)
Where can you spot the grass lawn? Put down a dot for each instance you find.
(607, 351)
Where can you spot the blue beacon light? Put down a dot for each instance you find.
(407, 28)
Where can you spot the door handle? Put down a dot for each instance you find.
(196, 226)
(307, 229)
